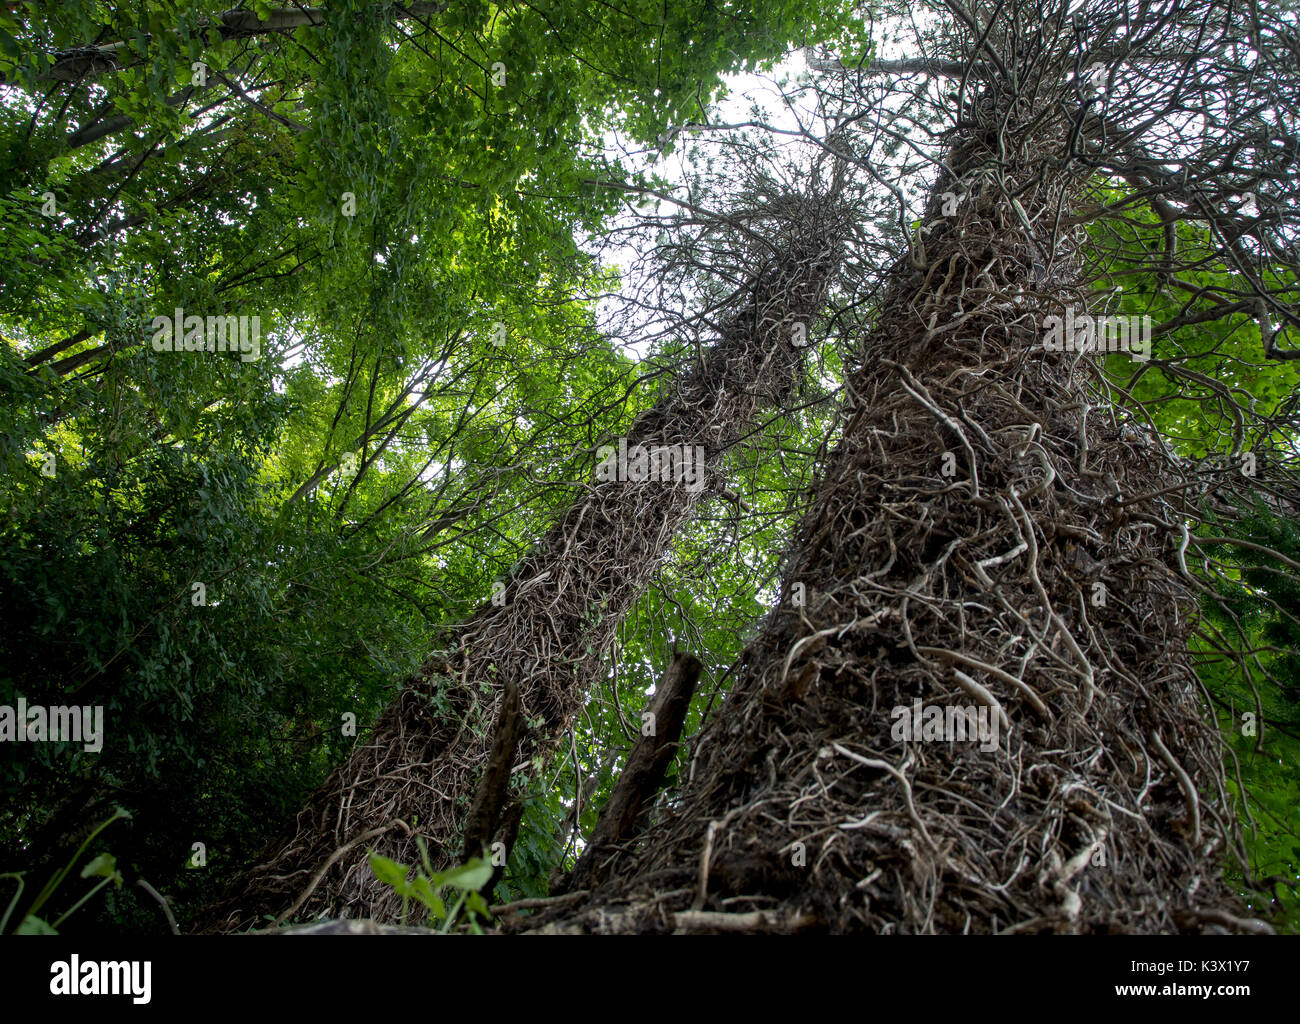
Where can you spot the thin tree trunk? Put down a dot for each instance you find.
(643, 772)
(417, 770)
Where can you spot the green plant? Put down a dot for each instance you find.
(427, 887)
(103, 866)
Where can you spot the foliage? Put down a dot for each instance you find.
(102, 866)
(427, 887)
(1257, 694)
(362, 483)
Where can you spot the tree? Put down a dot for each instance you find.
(997, 531)
(1033, 597)
(524, 662)
(369, 183)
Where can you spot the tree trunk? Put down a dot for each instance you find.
(982, 538)
(417, 770)
(643, 771)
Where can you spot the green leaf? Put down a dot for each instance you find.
(472, 875)
(422, 890)
(33, 925)
(105, 866)
(389, 872)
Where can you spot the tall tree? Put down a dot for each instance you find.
(382, 184)
(997, 531)
(533, 651)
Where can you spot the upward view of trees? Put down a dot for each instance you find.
(578, 497)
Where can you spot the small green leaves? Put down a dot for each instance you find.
(426, 888)
(9, 45)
